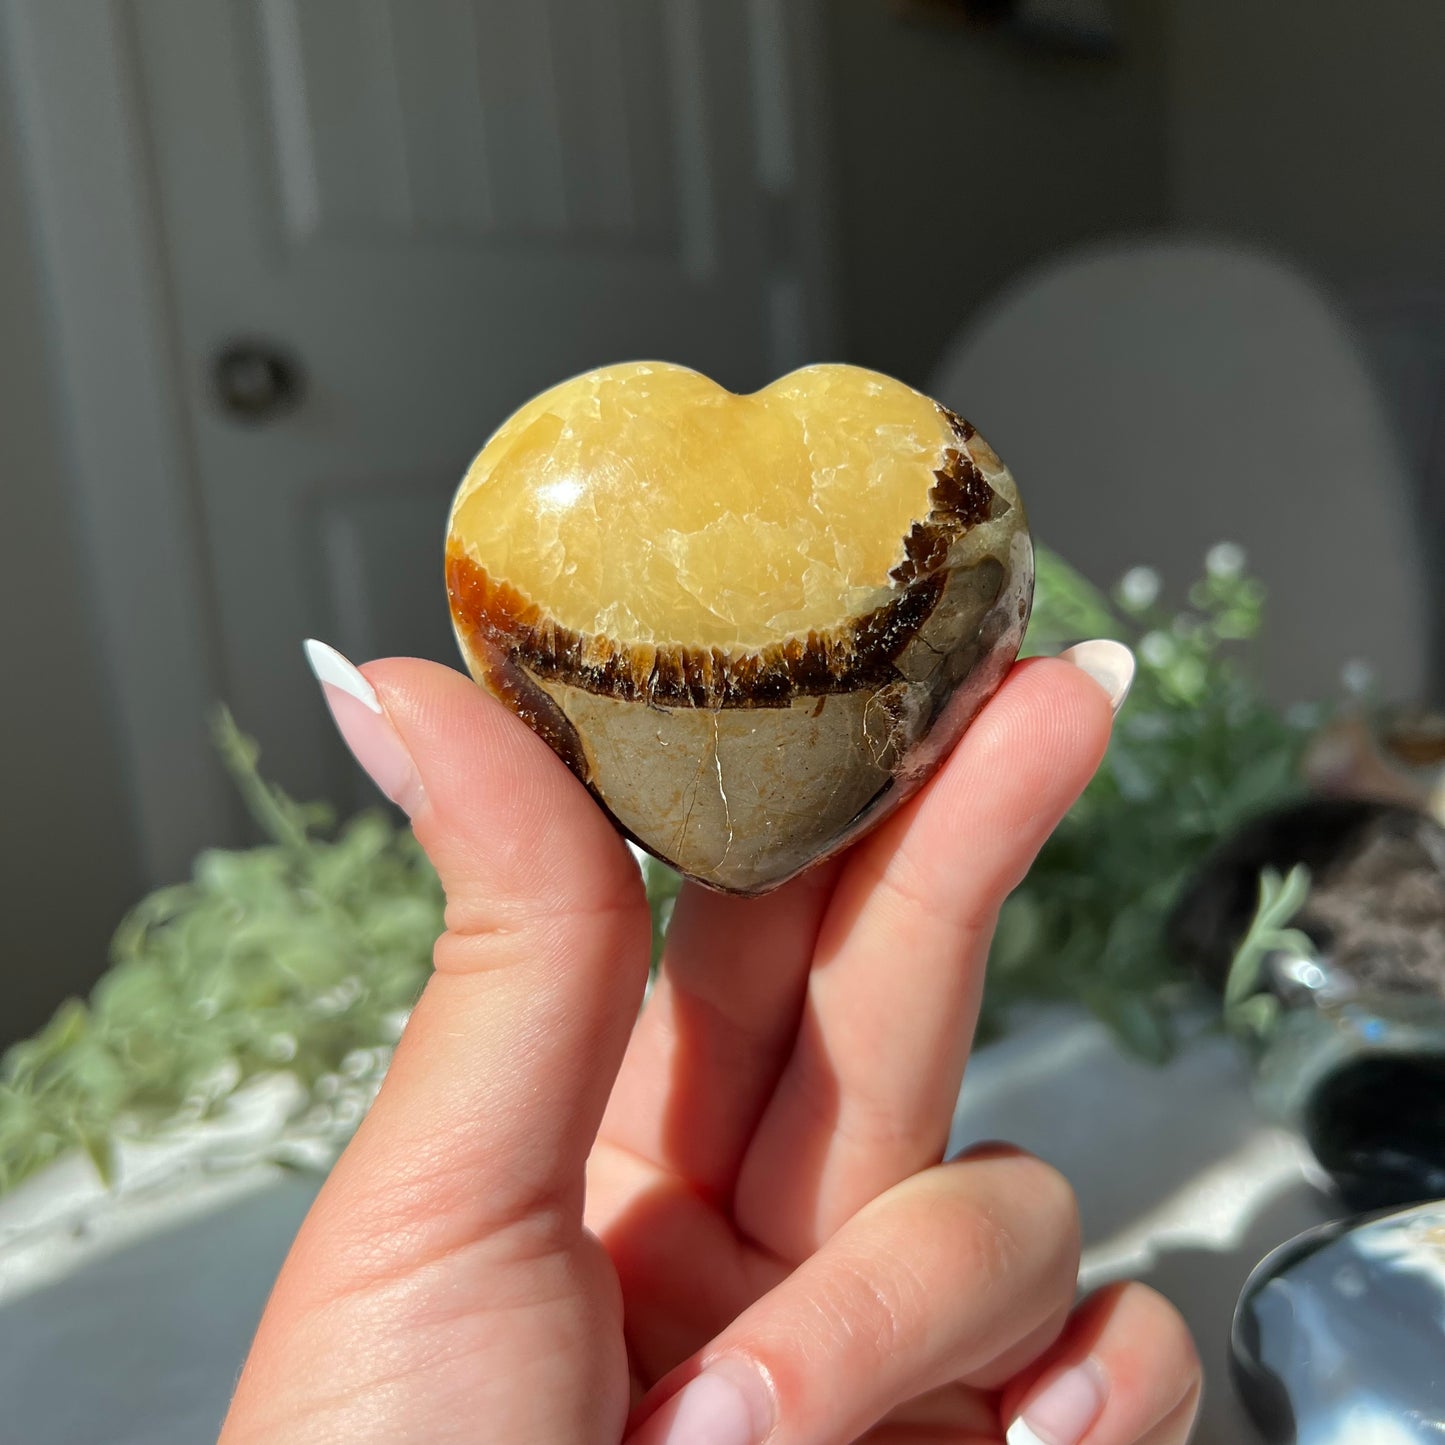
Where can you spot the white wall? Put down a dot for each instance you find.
(963, 157)
(1315, 128)
(67, 856)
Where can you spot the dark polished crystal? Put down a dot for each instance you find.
(1377, 1125)
(1339, 1336)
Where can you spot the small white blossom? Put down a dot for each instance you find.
(1224, 559)
(1158, 649)
(1357, 677)
(1303, 716)
(358, 1063)
(1138, 588)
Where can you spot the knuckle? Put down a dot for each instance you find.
(980, 1246)
(876, 1303)
(1053, 1202)
(483, 938)
(1046, 1235)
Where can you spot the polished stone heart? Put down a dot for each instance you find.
(1377, 1127)
(752, 625)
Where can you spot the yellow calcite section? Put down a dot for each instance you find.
(646, 503)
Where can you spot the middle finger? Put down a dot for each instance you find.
(717, 1030)
(867, 1097)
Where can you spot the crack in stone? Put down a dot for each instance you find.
(722, 791)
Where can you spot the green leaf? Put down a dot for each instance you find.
(663, 885)
(101, 1152)
(301, 952)
(1256, 1016)
(1067, 607)
(1246, 1009)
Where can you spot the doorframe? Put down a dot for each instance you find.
(118, 375)
(793, 157)
(115, 374)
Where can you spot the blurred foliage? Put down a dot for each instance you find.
(663, 886)
(304, 954)
(1196, 750)
(1251, 1008)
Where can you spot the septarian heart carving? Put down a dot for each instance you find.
(752, 625)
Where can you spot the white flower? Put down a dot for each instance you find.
(1138, 588)
(1224, 559)
(1357, 677)
(1158, 649)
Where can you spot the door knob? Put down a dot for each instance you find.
(256, 381)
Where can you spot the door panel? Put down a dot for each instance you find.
(439, 207)
(490, 120)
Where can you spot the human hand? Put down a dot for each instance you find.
(729, 1224)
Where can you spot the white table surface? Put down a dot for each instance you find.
(123, 1321)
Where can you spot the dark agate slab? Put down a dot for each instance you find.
(1339, 1336)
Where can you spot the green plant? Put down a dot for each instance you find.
(304, 954)
(1250, 1010)
(1196, 751)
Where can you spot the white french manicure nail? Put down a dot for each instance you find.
(365, 727)
(728, 1404)
(331, 667)
(1020, 1434)
(1110, 664)
(1062, 1412)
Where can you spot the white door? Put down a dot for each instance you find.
(388, 222)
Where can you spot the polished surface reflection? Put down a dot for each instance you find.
(1339, 1336)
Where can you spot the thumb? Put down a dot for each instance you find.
(492, 1102)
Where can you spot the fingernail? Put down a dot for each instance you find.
(1110, 664)
(364, 726)
(728, 1404)
(1063, 1410)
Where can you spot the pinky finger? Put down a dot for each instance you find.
(1124, 1372)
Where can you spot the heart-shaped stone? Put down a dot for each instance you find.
(752, 625)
